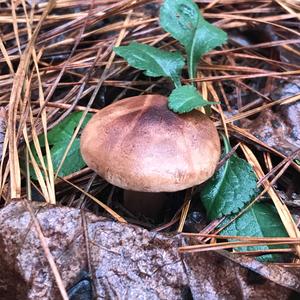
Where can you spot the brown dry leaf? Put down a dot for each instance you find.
(124, 262)
(279, 128)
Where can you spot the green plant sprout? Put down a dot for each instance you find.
(182, 19)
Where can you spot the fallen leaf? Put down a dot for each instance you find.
(279, 128)
(126, 261)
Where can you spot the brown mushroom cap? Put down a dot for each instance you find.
(139, 144)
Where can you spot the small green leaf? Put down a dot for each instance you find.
(186, 98)
(260, 220)
(154, 61)
(230, 188)
(182, 19)
(58, 139)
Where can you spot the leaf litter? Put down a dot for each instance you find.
(74, 39)
(124, 261)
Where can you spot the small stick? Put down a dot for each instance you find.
(48, 254)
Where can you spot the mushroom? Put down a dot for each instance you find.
(140, 145)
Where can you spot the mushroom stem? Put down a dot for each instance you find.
(150, 205)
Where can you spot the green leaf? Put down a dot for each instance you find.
(182, 19)
(186, 98)
(230, 188)
(58, 139)
(154, 61)
(260, 220)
